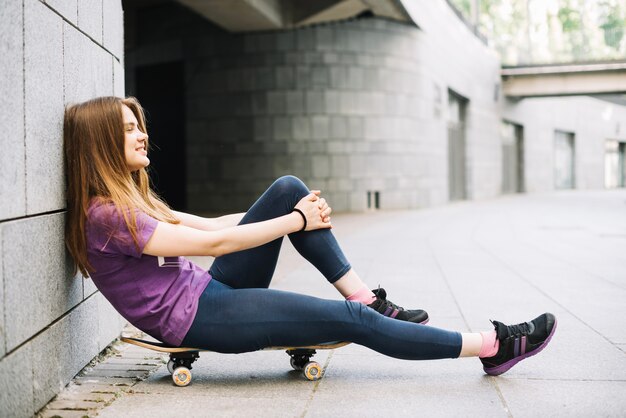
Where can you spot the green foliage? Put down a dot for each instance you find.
(487, 5)
(464, 6)
(550, 31)
(613, 25)
(570, 19)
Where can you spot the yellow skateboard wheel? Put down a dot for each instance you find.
(181, 376)
(312, 371)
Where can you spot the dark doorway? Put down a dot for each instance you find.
(160, 89)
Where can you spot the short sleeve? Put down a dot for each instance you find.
(108, 232)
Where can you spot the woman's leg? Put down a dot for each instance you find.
(241, 320)
(255, 267)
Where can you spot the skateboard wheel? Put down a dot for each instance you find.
(170, 366)
(312, 371)
(181, 376)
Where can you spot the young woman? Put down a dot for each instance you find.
(131, 244)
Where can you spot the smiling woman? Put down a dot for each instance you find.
(105, 148)
(119, 233)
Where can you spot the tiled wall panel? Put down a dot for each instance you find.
(43, 50)
(13, 173)
(37, 276)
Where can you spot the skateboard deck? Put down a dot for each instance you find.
(182, 358)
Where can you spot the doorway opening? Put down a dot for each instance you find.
(615, 164)
(512, 157)
(564, 160)
(457, 112)
(161, 91)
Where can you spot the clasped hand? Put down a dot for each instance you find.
(316, 211)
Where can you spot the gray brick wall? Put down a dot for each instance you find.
(51, 323)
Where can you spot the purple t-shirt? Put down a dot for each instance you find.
(158, 295)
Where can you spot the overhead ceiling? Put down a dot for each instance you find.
(259, 15)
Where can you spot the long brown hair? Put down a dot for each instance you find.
(95, 167)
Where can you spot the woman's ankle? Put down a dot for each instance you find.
(363, 295)
(490, 344)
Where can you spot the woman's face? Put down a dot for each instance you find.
(134, 142)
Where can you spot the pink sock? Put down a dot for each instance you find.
(363, 295)
(490, 344)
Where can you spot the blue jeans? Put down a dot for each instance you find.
(238, 313)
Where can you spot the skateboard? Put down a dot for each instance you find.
(181, 358)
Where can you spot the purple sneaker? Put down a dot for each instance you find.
(386, 307)
(518, 342)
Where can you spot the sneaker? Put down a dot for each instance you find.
(390, 309)
(518, 342)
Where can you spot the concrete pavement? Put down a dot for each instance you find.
(509, 259)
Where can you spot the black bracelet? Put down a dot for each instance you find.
(303, 218)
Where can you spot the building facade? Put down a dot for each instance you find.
(375, 112)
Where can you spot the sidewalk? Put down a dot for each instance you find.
(508, 259)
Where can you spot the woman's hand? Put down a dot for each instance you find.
(325, 210)
(315, 210)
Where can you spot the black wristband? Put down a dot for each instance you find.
(303, 218)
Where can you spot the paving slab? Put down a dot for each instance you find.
(56, 413)
(94, 397)
(559, 398)
(203, 405)
(76, 405)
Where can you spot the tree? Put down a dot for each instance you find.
(550, 31)
(613, 25)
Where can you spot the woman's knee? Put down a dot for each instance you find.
(290, 184)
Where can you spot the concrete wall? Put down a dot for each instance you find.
(592, 122)
(349, 107)
(51, 323)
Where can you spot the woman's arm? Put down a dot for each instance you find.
(169, 240)
(208, 224)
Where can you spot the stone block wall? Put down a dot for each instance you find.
(51, 323)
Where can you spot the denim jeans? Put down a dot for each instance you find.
(238, 313)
